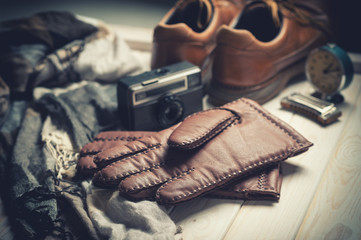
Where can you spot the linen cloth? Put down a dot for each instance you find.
(41, 137)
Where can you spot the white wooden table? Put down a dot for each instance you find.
(321, 190)
(320, 195)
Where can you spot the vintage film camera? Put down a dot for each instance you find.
(160, 98)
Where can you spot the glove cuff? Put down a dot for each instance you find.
(265, 184)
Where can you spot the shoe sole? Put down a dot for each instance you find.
(220, 94)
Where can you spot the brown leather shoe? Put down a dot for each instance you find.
(264, 48)
(188, 31)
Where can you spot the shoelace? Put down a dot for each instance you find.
(303, 14)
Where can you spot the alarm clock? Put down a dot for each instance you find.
(330, 70)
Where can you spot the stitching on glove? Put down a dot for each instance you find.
(97, 139)
(139, 171)
(140, 151)
(261, 181)
(120, 176)
(268, 117)
(129, 138)
(126, 174)
(266, 161)
(214, 128)
(174, 179)
(230, 122)
(160, 181)
(89, 152)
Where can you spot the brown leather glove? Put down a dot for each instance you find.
(265, 184)
(207, 150)
(261, 185)
(87, 166)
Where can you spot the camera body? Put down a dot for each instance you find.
(160, 98)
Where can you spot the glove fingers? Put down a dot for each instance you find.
(117, 153)
(201, 127)
(145, 194)
(112, 174)
(100, 145)
(123, 135)
(188, 185)
(86, 165)
(135, 185)
(106, 140)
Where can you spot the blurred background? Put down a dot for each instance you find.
(147, 13)
(139, 13)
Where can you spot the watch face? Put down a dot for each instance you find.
(325, 71)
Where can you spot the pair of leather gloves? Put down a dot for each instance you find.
(231, 151)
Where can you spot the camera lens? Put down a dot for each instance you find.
(170, 112)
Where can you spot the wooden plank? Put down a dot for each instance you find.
(211, 218)
(335, 212)
(205, 218)
(302, 176)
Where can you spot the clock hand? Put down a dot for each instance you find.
(327, 70)
(333, 70)
(332, 76)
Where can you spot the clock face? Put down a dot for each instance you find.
(325, 71)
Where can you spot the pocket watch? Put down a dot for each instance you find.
(330, 70)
